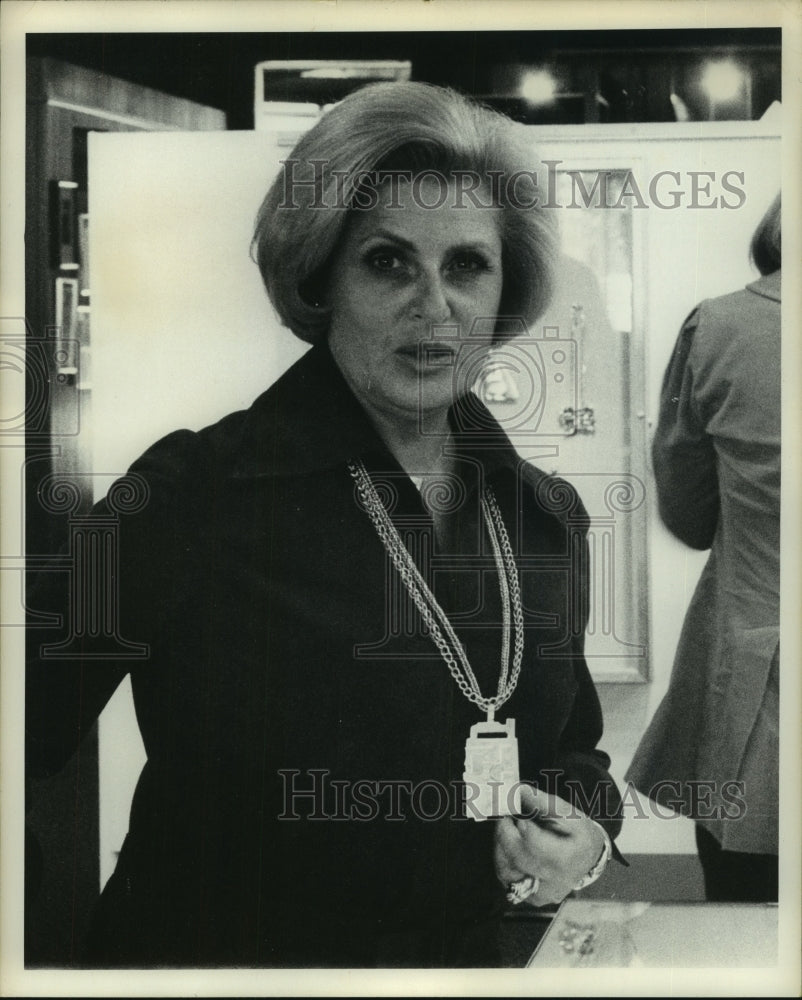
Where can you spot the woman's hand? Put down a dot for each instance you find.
(558, 845)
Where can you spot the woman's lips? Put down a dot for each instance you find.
(428, 356)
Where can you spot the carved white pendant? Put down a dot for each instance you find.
(491, 771)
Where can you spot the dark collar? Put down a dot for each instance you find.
(310, 420)
(768, 286)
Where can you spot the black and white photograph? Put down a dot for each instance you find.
(400, 558)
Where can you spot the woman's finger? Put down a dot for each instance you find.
(518, 856)
(535, 800)
(513, 859)
(548, 811)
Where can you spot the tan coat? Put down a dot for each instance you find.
(717, 466)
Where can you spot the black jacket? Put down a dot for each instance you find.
(273, 651)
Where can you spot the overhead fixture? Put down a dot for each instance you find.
(539, 87)
(722, 81)
(291, 94)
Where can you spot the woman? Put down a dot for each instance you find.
(713, 743)
(338, 585)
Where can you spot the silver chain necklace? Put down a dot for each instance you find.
(433, 615)
(491, 764)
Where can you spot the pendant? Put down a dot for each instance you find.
(491, 771)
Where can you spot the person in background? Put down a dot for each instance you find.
(346, 587)
(712, 747)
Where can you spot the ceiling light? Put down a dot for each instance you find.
(722, 80)
(539, 87)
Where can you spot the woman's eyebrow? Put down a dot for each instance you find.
(387, 235)
(473, 245)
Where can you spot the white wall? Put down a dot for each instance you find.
(182, 333)
(182, 330)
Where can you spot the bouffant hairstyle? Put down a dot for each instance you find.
(765, 249)
(388, 128)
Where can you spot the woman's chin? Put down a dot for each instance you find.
(410, 396)
(427, 396)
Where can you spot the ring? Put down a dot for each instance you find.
(518, 891)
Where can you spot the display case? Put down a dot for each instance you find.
(612, 935)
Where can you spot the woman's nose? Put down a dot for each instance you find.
(431, 302)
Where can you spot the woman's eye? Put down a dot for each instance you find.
(469, 263)
(384, 260)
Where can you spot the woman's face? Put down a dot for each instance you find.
(406, 288)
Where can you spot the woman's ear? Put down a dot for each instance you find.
(315, 290)
(311, 293)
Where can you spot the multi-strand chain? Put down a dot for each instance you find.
(433, 615)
